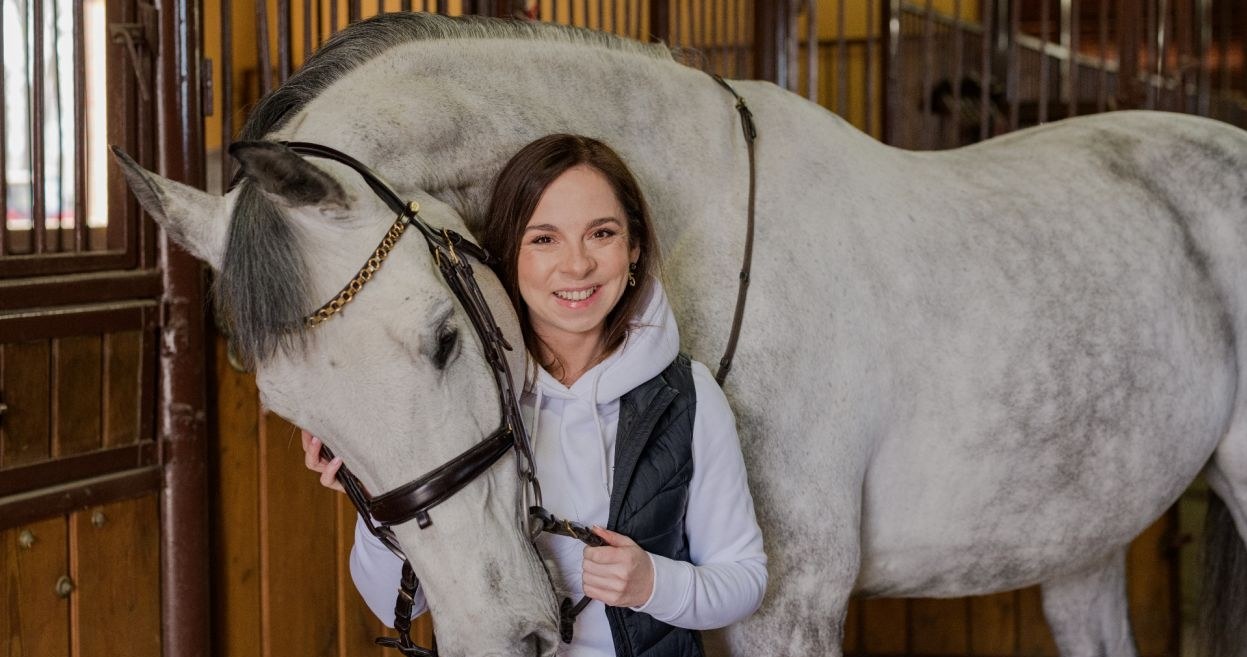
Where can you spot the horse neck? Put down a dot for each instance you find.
(446, 119)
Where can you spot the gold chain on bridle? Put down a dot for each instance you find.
(347, 293)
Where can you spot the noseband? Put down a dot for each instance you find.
(414, 500)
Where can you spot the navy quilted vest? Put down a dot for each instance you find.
(653, 468)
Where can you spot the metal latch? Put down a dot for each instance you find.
(141, 40)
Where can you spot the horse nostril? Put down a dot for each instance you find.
(543, 646)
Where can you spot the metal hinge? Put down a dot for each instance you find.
(142, 39)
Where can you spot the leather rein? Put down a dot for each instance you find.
(414, 500)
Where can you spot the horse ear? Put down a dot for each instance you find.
(286, 177)
(194, 218)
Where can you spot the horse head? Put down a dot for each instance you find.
(396, 383)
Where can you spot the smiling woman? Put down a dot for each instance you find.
(632, 437)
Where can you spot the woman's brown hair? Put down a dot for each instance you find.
(518, 189)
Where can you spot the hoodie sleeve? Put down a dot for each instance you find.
(376, 572)
(727, 576)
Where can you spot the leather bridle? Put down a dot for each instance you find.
(414, 500)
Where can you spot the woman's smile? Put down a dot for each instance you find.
(578, 298)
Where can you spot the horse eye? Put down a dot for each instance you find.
(445, 348)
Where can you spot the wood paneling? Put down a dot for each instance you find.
(236, 513)
(280, 560)
(993, 624)
(116, 563)
(885, 629)
(297, 548)
(1150, 574)
(123, 360)
(938, 627)
(78, 392)
(25, 426)
(33, 619)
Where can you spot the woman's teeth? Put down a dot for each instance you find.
(579, 295)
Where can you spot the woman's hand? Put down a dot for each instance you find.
(312, 459)
(619, 573)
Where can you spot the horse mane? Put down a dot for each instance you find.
(261, 290)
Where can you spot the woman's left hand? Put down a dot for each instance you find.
(619, 573)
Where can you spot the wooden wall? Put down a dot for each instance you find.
(280, 541)
(1012, 624)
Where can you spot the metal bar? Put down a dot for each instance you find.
(928, 72)
(226, 84)
(1185, 46)
(1204, 100)
(307, 30)
(634, 14)
(1158, 37)
(5, 247)
(660, 20)
(333, 17)
(261, 42)
(38, 208)
(1151, 45)
(842, 61)
(1101, 89)
(405, 5)
(1075, 68)
(891, 12)
(1012, 83)
(1044, 9)
(1128, 92)
(283, 40)
(59, 120)
(986, 108)
(354, 10)
(959, 52)
(181, 431)
(811, 50)
(1227, 33)
(870, 67)
(82, 149)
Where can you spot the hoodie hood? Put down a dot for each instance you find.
(650, 346)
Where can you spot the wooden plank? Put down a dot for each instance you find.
(51, 474)
(34, 620)
(885, 626)
(115, 550)
(122, 385)
(236, 513)
(852, 620)
(993, 624)
(1034, 637)
(297, 548)
(359, 625)
(1150, 588)
(938, 626)
(78, 390)
(34, 505)
(26, 390)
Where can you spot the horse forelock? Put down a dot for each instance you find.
(262, 288)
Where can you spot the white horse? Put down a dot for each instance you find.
(960, 372)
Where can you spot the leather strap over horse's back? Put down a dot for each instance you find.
(742, 291)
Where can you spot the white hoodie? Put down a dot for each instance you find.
(573, 432)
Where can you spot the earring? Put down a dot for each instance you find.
(631, 277)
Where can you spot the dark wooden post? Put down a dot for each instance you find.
(772, 38)
(1129, 90)
(182, 414)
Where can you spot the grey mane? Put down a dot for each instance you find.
(261, 290)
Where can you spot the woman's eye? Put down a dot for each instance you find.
(603, 233)
(542, 239)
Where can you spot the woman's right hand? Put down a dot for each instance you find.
(316, 463)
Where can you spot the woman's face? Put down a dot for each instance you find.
(574, 255)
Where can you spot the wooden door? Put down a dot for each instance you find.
(95, 310)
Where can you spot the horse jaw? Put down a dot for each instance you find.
(195, 219)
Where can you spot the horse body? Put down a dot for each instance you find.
(959, 373)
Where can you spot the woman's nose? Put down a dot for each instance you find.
(577, 262)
